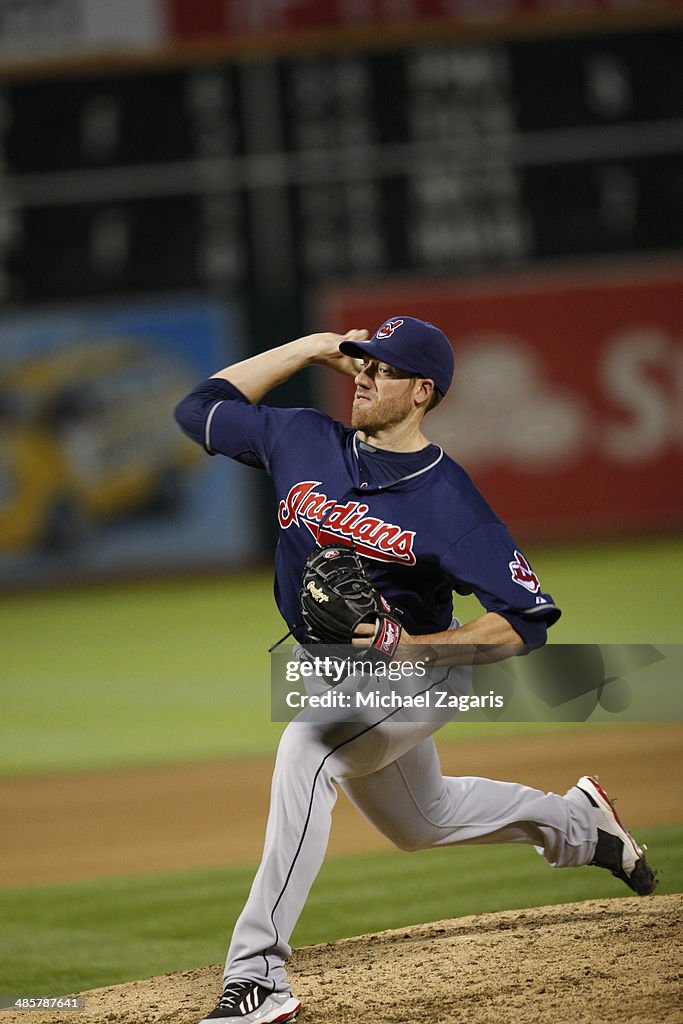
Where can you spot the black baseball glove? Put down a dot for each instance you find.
(337, 595)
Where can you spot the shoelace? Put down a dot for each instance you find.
(233, 992)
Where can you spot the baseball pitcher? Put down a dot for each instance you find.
(378, 528)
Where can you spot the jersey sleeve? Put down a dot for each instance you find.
(487, 562)
(220, 418)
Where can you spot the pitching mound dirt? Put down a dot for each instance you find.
(593, 962)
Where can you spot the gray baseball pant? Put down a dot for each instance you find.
(388, 766)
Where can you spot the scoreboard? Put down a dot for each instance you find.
(265, 176)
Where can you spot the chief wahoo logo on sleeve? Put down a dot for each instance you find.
(523, 574)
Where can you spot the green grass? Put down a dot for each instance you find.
(64, 938)
(175, 671)
(136, 674)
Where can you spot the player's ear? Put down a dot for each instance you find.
(424, 389)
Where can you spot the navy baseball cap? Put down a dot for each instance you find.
(411, 345)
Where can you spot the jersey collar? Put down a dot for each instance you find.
(401, 479)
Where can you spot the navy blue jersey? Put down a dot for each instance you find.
(420, 523)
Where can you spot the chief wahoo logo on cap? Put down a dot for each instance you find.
(387, 329)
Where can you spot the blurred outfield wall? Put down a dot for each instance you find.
(177, 190)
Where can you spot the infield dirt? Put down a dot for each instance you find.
(583, 963)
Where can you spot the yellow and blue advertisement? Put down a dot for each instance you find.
(95, 476)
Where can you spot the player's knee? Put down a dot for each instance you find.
(409, 842)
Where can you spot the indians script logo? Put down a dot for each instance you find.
(387, 329)
(329, 521)
(522, 573)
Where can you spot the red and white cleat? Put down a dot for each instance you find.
(616, 849)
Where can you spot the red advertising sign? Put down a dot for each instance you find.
(568, 391)
(188, 19)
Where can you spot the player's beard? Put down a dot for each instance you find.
(380, 414)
